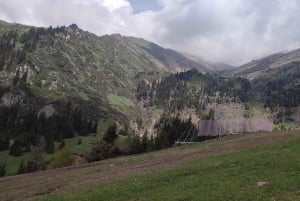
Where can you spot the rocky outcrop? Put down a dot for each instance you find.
(12, 98)
(48, 111)
(233, 126)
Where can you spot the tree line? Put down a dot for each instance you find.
(24, 127)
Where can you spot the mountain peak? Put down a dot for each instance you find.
(73, 26)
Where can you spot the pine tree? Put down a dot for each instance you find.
(2, 169)
(22, 168)
(111, 133)
(145, 142)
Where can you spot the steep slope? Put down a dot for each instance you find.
(67, 63)
(5, 27)
(259, 67)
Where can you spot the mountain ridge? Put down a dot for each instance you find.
(259, 67)
(99, 73)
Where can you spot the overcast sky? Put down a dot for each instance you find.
(230, 31)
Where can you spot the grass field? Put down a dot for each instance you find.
(12, 163)
(232, 176)
(119, 101)
(222, 169)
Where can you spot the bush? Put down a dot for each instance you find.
(37, 162)
(63, 158)
(22, 168)
(111, 134)
(16, 149)
(101, 150)
(2, 169)
(79, 142)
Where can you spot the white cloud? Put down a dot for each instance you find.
(234, 31)
(113, 5)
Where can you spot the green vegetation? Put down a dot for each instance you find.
(24, 128)
(12, 163)
(170, 129)
(234, 176)
(119, 101)
(63, 158)
(103, 124)
(84, 146)
(111, 134)
(193, 89)
(2, 169)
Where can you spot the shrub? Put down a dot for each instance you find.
(63, 158)
(101, 150)
(2, 169)
(22, 168)
(111, 134)
(79, 142)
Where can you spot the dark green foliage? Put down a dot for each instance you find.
(124, 131)
(37, 162)
(101, 150)
(193, 89)
(77, 120)
(2, 169)
(79, 142)
(282, 89)
(211, 115)
(145, 144)
(24, 126)
(111, 133)
(16, 149)
(50, 146)
(135, 146)
(31, 39)
(8, 54)
(22, 168)
(170, 129)
(142, 91)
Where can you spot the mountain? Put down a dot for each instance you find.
(60, 83)
(262, 66)
(97, 73)
(210, 65)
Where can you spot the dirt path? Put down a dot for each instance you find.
(30, 186)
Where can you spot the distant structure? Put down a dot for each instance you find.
(233, 126)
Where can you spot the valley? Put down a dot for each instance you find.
(159, 100)
(112, 95)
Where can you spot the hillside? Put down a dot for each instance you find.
(60, 85)
(231, 166)
(261, 67)
(69, 64)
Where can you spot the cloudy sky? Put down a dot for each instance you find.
(230, 31)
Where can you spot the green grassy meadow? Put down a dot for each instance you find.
(229, 177)
(12, 163)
